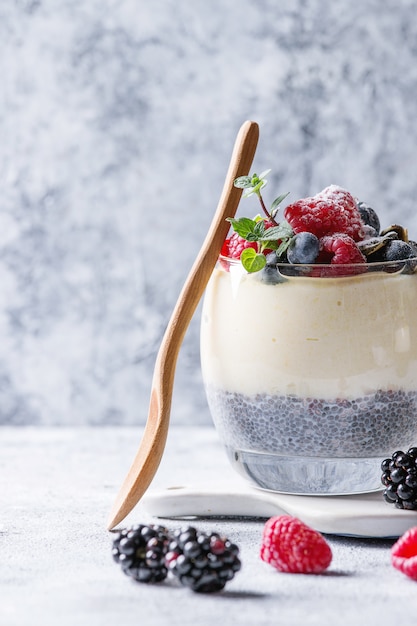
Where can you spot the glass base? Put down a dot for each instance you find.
(308, 475)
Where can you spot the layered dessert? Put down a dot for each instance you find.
(309, 354)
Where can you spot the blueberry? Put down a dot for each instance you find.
(369, 216)
(413, 246)
(397, 250)
(403, 253)
(303, 248)
(271, 259)
(270, 275)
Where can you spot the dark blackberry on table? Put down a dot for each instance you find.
(201, 561)
(399, 476)
(140, 551)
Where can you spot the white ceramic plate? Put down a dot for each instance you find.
(364, 515)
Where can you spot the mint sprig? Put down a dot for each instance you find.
(253, 185)
(276, 237)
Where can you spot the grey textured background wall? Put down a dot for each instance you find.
(117, 120)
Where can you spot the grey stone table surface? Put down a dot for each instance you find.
(57, 486)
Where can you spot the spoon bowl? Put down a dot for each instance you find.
(152, 445)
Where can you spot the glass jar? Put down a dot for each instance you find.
(311, 371)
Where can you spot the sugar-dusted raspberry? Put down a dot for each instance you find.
(404, 553)
(339, 248)
(333, 210)
(293, 547)
(234, 246)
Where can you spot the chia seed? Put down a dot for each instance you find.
(368, 426)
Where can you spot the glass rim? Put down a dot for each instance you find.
(234, 261)
(398, 265)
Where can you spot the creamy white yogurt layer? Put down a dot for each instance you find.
(324, 338)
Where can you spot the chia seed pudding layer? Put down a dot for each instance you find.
(372, 425)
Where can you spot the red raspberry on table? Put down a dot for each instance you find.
(404, 553)
(333, 210)
(293, 547)
(234, 246)
(339, 248)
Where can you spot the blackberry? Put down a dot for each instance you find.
(140, 551)
(369, 216)
(399, 476)
(201, 561)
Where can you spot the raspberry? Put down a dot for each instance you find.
(333, 210)
(340, 248)
(234, 246)
(293, 547)
(404, 553)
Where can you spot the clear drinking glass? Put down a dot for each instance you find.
(311, 371)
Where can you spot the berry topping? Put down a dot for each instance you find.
(140, 551)
(399, 476)
(293, 547)
(369, 217)
(303, 248)
(328, 228)
(333, 210)
(396, 250)
(340, 248)
(234, 246)
(204, 562)
(404, 553)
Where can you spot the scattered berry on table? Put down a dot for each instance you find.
(140, 551)
(404, 553)
(204, 562)
(369, 216)
(291, 546)
(333, 210)
(303, 248)
(399, 477)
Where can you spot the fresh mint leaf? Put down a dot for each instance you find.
(259, 228)
(278, 201)
(283, 246)
(243, 182)
(252, 261)
(282, 231)
(253, 184)
(265, 173)
(243, 226)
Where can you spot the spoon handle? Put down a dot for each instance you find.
(154, 437)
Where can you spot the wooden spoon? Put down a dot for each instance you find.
(153, 441)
